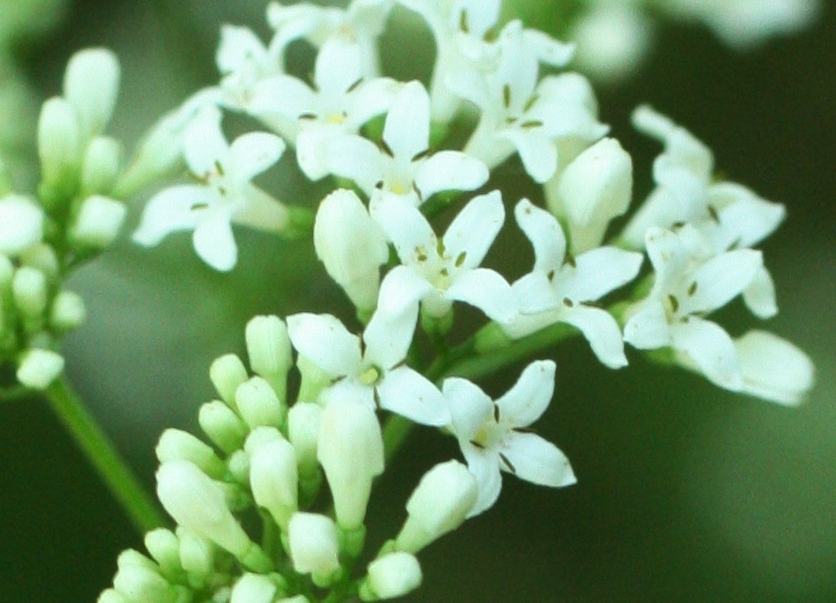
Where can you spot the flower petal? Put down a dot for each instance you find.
(538, 461)
(484, 465)
(720, 279)
(253, 153)
(711, 349)
(648, 328)
(759, 295)
(355, 158)
(469, 407)
(599, 271)
(339, 65)
(405, 226)
(370, 99)
(450, 171)
(407, 128)
(545, 234)
(601, 331)
(528, 399)
(746, 218)
(773, 368)
(534, 293)
(324, 340)
(537, 151)
(170, 210)
(389, 335)
(401, 289)
(487, 290)
(204, 144)
(214, 242)
(410, 394)
(237, 46)
(474, 229)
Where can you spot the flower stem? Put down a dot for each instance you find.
(141, 508)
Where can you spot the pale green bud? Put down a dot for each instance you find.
(350, 450)
(112, 596)
(42, 256)
(253, 588)
(138, 579)
(59, 148)
(199, 504)
(314, 379)
(67, 311)
(258, 404)
(269, 351)
(100, 165)
(97, 223)
(220, 423)
(440, 504)
(274, 479)
(238, 465)
(303, 423)
(21, 224)
(38, 368)
(91, 85)
(227, 374)
(176, 444)
(392, 575)
(164, 546)
(314, 546)
(351, 246)
(197, 556)
(29, 288)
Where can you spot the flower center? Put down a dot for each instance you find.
(371, 376)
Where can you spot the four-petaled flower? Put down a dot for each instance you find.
(223, 195)
(493, 435)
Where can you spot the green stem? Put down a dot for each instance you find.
(141, 509)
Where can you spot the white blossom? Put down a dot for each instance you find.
(224, 195)
(21, 224)
(493, 436)
(562, 288)
(372, 371)
(774, 369)
(437, 272)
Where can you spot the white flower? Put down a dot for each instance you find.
(493, 437)
(313, 544)
(518, 114)
(351, 245)
(560, 287)
(244, 61)
(439, 272)
(773, 368)
(21, 224)
(687, 287)
(402, 165)
(341, 101)
(224, 195)
(391, 575)
(374, 371)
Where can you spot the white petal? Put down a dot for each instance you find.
(237, 46)
(528, 399)
(171, 210)
(355, 158)
(405, 226)
(534, 293)
(410, 394)
(721, 279)
(311, 142)
(469, 407)
(370, 99)
(711, 349)
(746, 217)
(339, 65)
(487, 290)
(648, 328)
(484, 465)
(537, 152)
(601, 331)
(214, 242)
(324, 340)
(545, 235)
(389, 335)
(474, 229)
(400, 290)
(253, 153)
(204, 144)
(407, 129)
(450, 171)
(538, 461)
(599, 271)
(284, 95)
(773, 368)
(759, 295)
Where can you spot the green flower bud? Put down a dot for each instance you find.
(91, 84)
(175, 444)
(100, 166)
(97, 223)
(227, 374)
(38, 368)
(258, 404)
(67, 311)
(220, 423)
(392, 575)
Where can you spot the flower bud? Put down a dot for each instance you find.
(392, 575)
(97, 223)
(164, 547)
(67, 311)
(176, 444)
(138, 579)
(29, 288)
(59, 148)
(221, 425)
(100, 166)
(199, 504)
(350, 450)
(269, 351)
(595, 188)
(21, 224)
(440, 504)
(38, 368)
(274, 479)
(774, 369)
(42, 256)
(112, 596)
(314, 546)
(351, 245)
(303, 423)
(227, 373)
(314, 379)
(258, 404)
(197, 556)
(253, 588)
(91, 84)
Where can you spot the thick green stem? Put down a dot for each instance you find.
(141, 508)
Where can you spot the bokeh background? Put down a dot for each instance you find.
(686, 493)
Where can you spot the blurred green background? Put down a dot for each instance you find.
(686, 493)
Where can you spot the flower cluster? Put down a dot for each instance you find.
(71, 219)
(385, 147)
